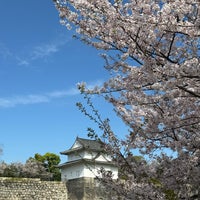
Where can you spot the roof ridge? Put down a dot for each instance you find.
(94, 145)
(78, 138)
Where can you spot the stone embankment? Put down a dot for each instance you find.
(31, 189)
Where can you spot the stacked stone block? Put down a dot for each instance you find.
(87, 189)
(31, 189)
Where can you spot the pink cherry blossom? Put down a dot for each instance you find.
(152, 48)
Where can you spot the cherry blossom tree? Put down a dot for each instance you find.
(31, 169)
(152, 48)
(41, 166)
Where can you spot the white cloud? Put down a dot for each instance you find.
(21, 61)
(22, 100)
(63, 93)
(47, 49)
(42, 51)
(36, 98)
(4, 51)
(8, 102)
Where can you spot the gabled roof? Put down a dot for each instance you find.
(85, 162)
(85, 144)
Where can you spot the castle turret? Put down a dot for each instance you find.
(85, 159)
(81, 171)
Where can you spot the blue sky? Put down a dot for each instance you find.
(40, 65)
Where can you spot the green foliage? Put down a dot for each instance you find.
(170, 195)
(155, 182)
(50, 162)
(39, 158)
(41, 166)
(137, 159)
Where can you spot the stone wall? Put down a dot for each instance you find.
(34, 189)
(31, 189)
(87, 189)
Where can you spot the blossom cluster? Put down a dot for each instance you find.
(153, 49)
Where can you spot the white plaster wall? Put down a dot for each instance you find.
(89, 170)
(75, 156)
(76, 145)
(72, 172)
(83, 154)
(93, 170)
(103, 158)
(113, 169)
(89, 155)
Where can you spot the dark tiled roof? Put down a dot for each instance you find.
(93, 145)
(85, 161)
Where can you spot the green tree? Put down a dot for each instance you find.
(50, 162)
